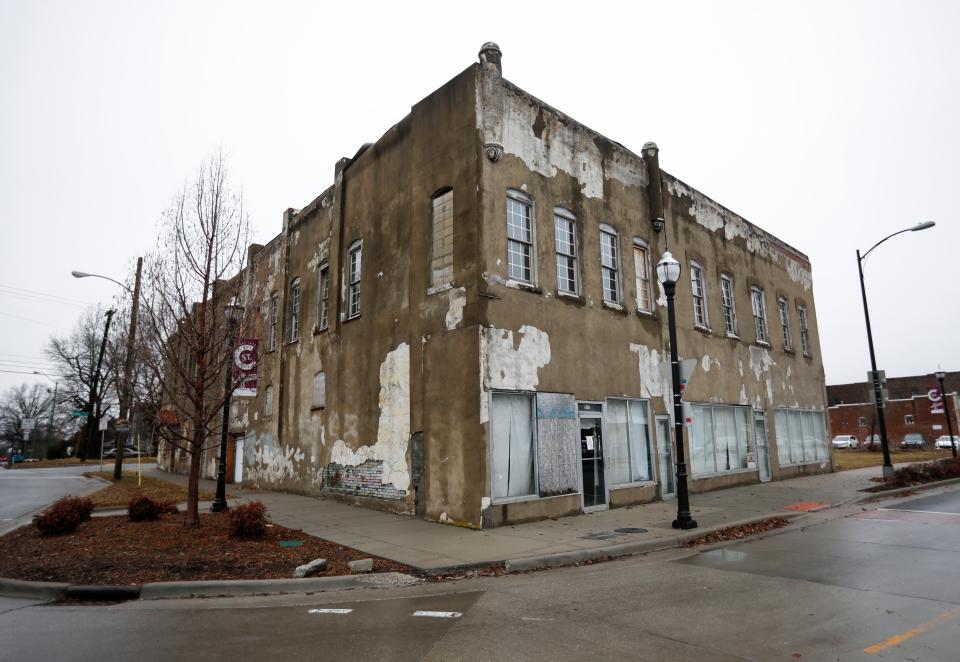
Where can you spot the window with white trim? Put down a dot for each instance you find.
(759, 314)
(513, 445)
(610, 264)
(520, 254)
(729, 305)
(801, 436)
(294, 318)
(719, 438)
(323, 298)
(641, 273)
(804, 329)
(627, 441)
(565, 233)
(272, 312)
(698, 288)
(441, 260)
(785, 323)
(353, 279)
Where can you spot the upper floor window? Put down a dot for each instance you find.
(441, 260)
(274, 302)
(520, 256)
(294, 334)
(698, 287)
(785, 323)
(565, 231)
(610, 264)
(353, 279)
(804, 329)
(323, 298)
(729, 305)
(641, 272)
(759, 314)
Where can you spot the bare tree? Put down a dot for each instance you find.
(75, 356)
(184, 334)
(21, 402)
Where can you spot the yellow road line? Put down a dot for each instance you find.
(898, 639)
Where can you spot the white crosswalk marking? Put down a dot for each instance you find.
(439, 614)
(329, 611)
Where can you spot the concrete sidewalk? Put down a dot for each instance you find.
(440, 548)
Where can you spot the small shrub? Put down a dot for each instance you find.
(64, 516)
(248, 520)
(143, 509)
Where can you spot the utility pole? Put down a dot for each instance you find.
(94, 383)
(53, 408)
(126, 394)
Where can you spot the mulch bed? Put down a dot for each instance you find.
(113, 550)
(739, 532)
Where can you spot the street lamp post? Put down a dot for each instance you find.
(668, 273)
(874, 373)
(126, 395)
(233, 313)
(946, 411)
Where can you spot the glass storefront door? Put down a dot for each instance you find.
(591, 455)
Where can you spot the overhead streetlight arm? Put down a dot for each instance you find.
(83, 274)
(915, 228)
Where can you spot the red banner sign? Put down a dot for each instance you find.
(936, 400)
(245, 368)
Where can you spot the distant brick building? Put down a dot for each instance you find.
(852, 409)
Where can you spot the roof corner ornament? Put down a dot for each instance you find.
(494, 151)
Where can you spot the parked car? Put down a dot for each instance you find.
(944, 441)
(845, 441)
(872, 441)
(128, 451)
(912, 440)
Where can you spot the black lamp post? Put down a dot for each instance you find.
(946, 411)
(668, 273)
(233, 313)
(874, 374)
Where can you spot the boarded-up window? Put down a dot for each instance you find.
(558, 444)
(320, 389)
(441, 260)
(512, 444)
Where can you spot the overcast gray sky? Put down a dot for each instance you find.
(829, 124)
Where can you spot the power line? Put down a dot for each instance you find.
(27, 319)
(45, 294)
(36, 299)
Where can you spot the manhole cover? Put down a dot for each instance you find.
(630, 529)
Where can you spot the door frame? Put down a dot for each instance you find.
(602, 414)
(661, 444)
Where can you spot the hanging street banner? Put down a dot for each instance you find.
(936, 400)
(245, 368)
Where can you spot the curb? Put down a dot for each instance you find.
(52, 591)
(630, 548)
(923, 487)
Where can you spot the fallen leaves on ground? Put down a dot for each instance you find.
(113, 550)
(918, 474)
(739, 532)
(120, 493)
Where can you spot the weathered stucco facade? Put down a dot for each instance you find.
(459, 375)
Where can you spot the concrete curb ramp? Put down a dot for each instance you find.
(51, 591)
(630, 548)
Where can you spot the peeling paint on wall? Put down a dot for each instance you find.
(654, 367)
(799, 274)
(514, 367)
(458, 299)
(760, 362)
(393, 429)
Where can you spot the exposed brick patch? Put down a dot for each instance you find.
(363, 480)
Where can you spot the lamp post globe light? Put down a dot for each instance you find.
(946, 411)
(233, 313)
(668, 273)
(874, 373)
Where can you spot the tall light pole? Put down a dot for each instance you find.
(53, 405)
(233, 314)
(946, 411)
(668, 273)
(127, 388)
(874, 373)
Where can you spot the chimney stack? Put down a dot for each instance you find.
(490, 55)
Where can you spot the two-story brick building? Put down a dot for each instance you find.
(467, 325)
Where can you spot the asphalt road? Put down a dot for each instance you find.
(23, 491)
(878, 584)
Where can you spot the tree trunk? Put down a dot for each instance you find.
(193, 482)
